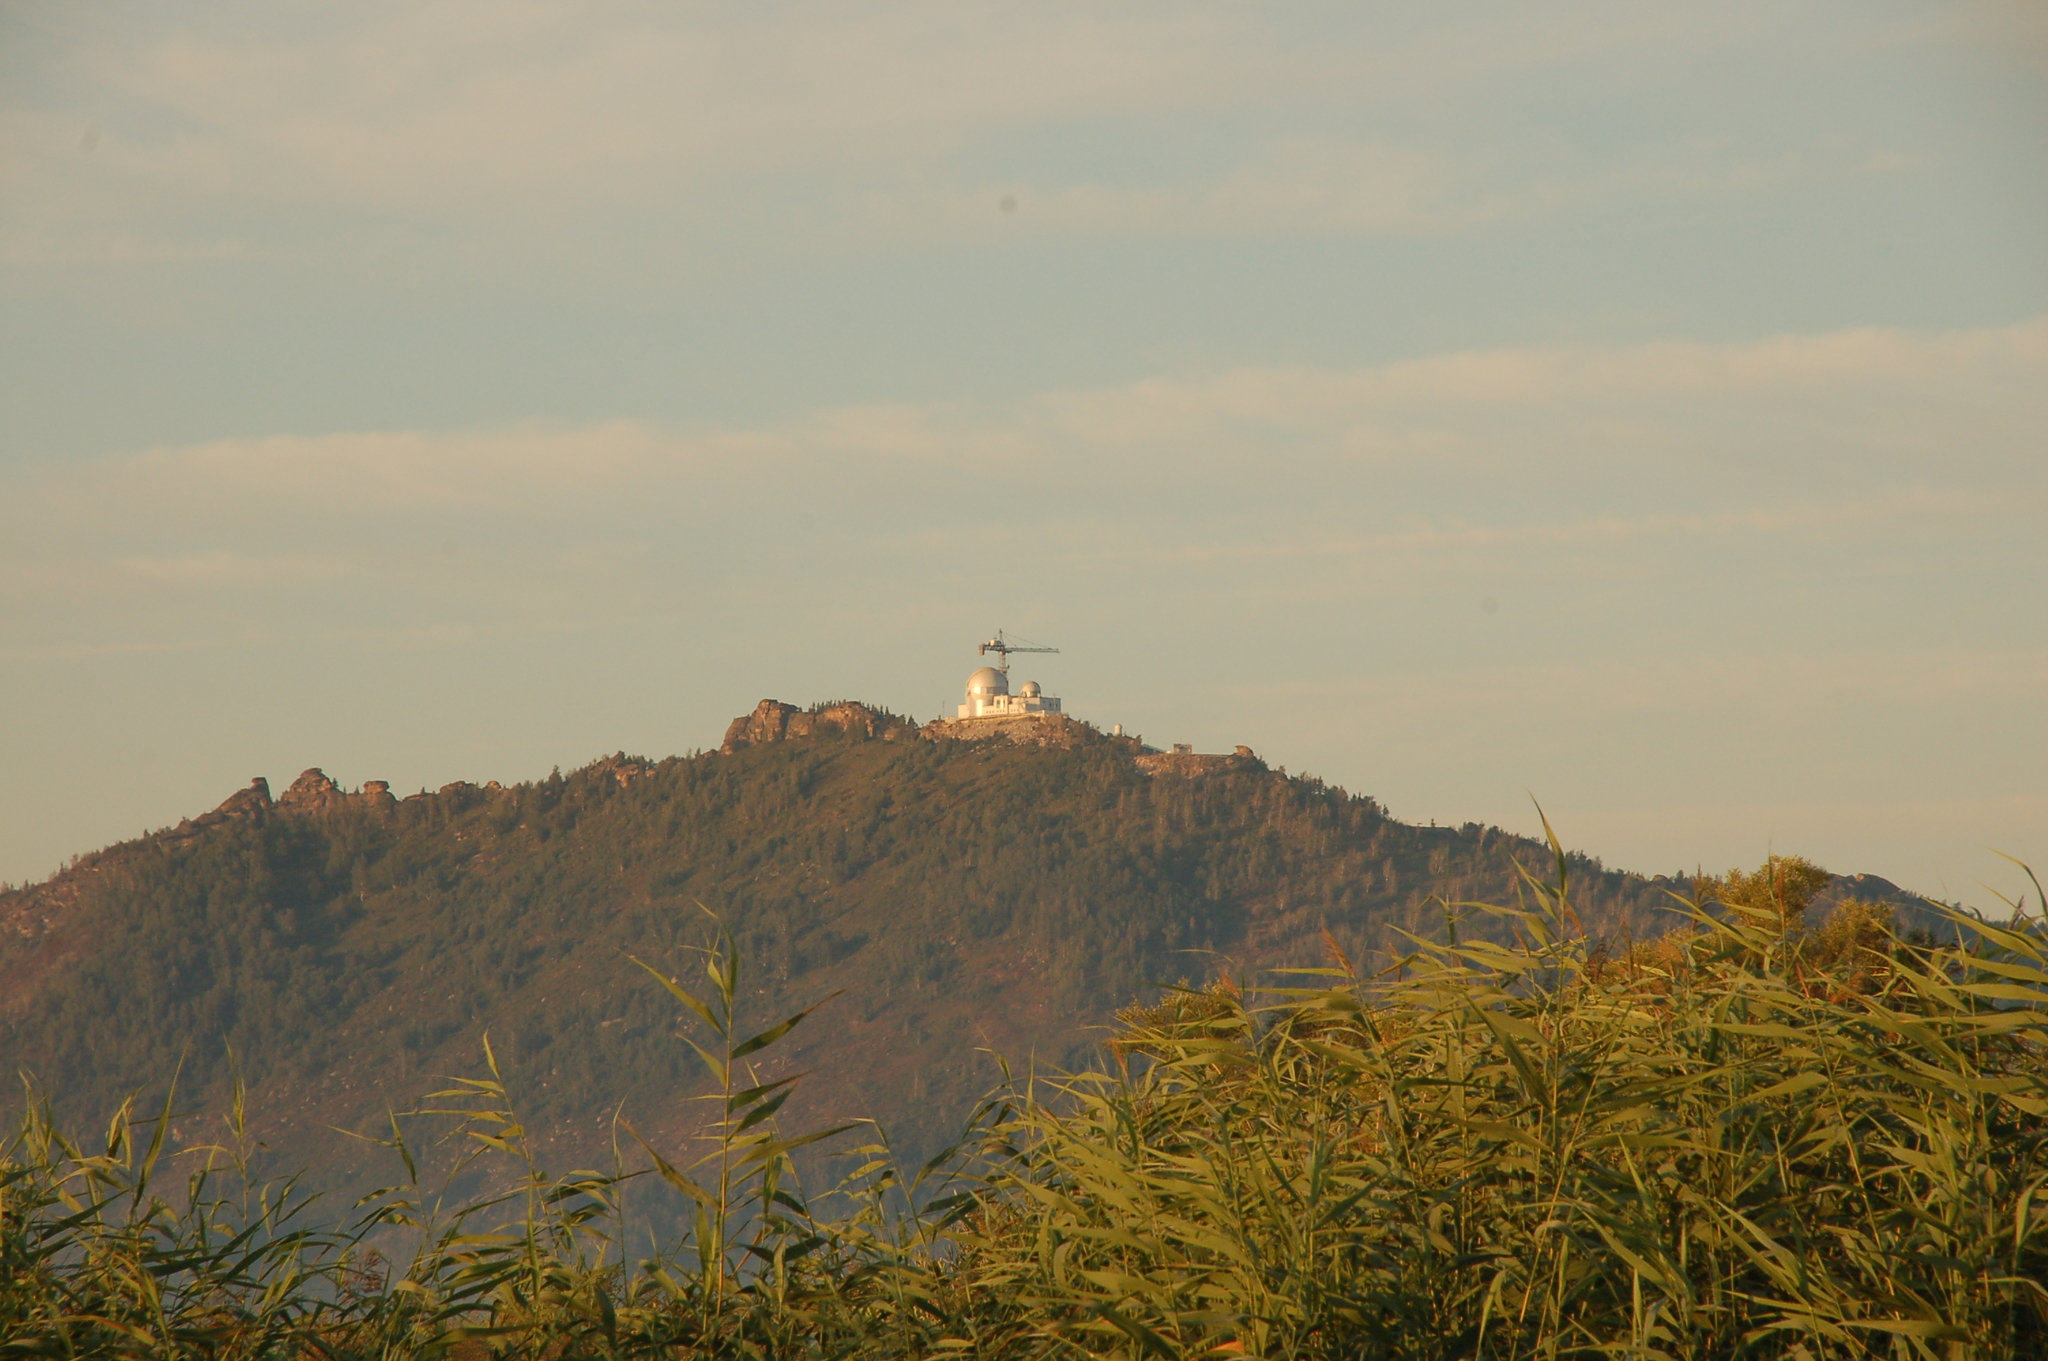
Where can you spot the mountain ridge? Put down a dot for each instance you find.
(996, 887)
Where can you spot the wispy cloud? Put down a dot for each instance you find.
(71, 652)
(1563, 378)
(217, 568)
(115, 248)
(1740, 677)
(1289, 186)
(1889, 512)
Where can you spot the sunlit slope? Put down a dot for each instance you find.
(966, 896)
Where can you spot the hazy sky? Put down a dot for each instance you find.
(1640, 408)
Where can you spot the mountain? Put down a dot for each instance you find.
(963, 897)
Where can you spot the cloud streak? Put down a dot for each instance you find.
(1276, 476)
(1863, 383)
(890, 126)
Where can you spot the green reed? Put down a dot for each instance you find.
(1712, 1147)
(1742, 1139)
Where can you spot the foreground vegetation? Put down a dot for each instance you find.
(1744, 1139)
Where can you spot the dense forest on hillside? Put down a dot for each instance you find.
(970, 897)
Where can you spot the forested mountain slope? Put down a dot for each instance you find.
(967, 896)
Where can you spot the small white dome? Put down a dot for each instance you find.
(988, 681)
(1029, 689)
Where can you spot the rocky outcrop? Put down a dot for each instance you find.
(252, 802)
(774, 721)
(34, 909)
(1184, 762)
(620, 767)
(768, 723)
(243, 803)
(1030, 730)
(312, 792)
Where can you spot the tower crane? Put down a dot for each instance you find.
(1003, 647)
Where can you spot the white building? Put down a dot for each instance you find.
(988, 696)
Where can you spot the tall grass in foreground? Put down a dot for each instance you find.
(1743, 1140)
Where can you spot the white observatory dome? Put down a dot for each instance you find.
(988, 681)
(1029, 690)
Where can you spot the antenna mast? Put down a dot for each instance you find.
(1002, 647)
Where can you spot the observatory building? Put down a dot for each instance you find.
(988, 690)
(988, 696)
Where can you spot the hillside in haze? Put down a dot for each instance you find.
(968, 897)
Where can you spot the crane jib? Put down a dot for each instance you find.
(1003, 647)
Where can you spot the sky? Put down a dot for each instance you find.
(1636, 411)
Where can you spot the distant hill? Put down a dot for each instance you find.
(1003, 894)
